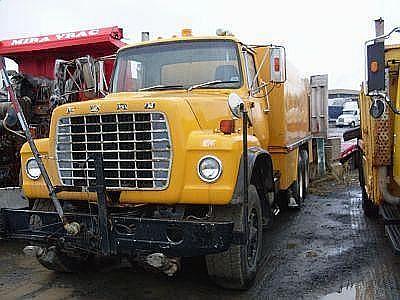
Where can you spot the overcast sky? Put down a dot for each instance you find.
(320, 36)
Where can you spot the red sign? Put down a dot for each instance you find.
(54, 37)
(68, 45)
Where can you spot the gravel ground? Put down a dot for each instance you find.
(329, 250)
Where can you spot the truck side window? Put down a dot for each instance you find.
(251, 71)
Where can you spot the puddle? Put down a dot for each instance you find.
(346, 293)
(338, 250)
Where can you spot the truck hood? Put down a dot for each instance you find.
(201, 108)
(208, 107)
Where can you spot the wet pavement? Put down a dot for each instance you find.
(329, 250)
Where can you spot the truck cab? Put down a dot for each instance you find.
(201, 141)
(350, 115)
(379, 143)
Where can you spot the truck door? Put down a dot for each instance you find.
(258, 105)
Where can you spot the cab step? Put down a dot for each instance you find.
(393, 232)
(390, 213)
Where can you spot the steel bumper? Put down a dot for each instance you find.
(127, 235)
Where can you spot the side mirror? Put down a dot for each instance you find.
(277, 60)
(234, 103)
(376, 67)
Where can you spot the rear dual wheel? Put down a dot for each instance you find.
(300, 186)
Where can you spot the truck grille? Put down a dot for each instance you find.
(136, 149)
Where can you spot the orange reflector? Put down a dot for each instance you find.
(227, 126)
(276, 64)
(374, 66)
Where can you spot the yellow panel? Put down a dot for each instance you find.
(289, 104)
(396, 150)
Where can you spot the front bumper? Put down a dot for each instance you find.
(127, 235)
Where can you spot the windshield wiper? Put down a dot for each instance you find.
(213, 82)
(161, 87)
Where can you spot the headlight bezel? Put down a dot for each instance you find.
(30, 176)
(201, 175)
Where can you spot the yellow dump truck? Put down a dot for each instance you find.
(201, 141)
(380, 128)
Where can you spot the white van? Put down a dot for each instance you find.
(350, 115)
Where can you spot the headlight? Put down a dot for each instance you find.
(209, 168)
(32, 169)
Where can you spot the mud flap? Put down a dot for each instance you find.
(393, 232)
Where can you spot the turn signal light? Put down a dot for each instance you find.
(227, 126)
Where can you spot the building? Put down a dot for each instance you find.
(343, 93)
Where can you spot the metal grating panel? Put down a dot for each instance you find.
(383, 138)
(136, 149)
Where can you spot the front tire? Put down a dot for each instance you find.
(370, 209)
(237, 267)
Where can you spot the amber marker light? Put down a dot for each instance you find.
(374, 66)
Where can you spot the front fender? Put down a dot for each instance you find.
(260, 173)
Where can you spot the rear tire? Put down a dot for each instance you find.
(297, 188)
(53, 258)
(237, 267)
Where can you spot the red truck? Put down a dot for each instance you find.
(53, 69)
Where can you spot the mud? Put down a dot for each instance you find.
(329, 250)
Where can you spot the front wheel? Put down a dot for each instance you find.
(370, 209)
(236, 268)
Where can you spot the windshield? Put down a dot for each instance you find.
(178, 65)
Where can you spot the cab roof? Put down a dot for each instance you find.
(179, 39)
